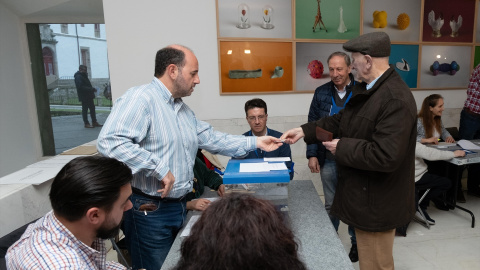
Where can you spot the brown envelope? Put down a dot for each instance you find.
(323, 135)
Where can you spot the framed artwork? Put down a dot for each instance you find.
(445, 56)
(311, 64)
(399, 19)
(405, 60)
(324, 19)
(448, 21)
(256, 19)
(255, 66)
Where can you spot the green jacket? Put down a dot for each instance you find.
(204, 177)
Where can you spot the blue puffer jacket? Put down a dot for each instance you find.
(319, 108)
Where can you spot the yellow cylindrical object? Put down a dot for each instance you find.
(403, 21)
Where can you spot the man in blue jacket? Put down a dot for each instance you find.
(256, 111)
(328, 100)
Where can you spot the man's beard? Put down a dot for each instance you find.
(181, 87)
(106, 233)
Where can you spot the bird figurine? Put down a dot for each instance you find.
(455, 25)
(436, 24)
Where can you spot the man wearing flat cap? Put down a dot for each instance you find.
(374, 150)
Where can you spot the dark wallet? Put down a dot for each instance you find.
(323, 135)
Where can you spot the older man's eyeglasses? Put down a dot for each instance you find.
(253, 118)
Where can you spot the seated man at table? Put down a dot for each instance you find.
(256, 111)
(203, 177)
(88, 197)
(424, 180)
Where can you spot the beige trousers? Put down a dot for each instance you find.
(375, 249)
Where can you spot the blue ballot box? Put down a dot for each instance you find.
(270, 185)
(232, 174)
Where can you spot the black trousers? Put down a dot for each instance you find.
(437, 184)
(88, 105)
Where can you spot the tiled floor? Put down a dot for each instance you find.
(450, 244)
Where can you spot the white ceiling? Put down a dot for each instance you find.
(55, 8)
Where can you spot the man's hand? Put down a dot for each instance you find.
(314, 165)
(198, 204)
(221, 190)
(268, 143)
(167, 183)
(293, 135)
(331, 145)
(450, 139)
(459, 153)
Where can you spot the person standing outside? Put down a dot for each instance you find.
(86, 94)
(88, 197)
(374, 150)
(470, 128)
(257, 116)
(157, 135)
(328, 100)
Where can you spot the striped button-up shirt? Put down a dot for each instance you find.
(47, 244)
(153, 133)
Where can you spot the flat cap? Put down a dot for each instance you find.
(376, 44)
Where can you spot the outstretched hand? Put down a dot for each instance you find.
(268, 143)
(293, 135)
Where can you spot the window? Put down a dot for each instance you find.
(64, 28)
(97, 30)
(48, 61)
(62, 54)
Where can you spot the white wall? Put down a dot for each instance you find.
(135, 31)
(19, 135)
(133, 42)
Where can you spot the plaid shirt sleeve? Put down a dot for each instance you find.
(473, 92)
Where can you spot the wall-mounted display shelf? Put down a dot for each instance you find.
(282, 46)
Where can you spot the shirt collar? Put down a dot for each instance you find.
(95, 250)
(164, 92)
(372, 83)
(345, 87)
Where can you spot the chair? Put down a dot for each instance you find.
(425, 222)
(454, 132)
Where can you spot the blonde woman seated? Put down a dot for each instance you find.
(429, 126)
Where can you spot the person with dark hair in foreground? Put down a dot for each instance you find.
(240, 231)
(88, 197)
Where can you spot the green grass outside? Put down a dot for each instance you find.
(65, 112)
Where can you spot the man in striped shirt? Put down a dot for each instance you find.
(157, 135)
(88, 197)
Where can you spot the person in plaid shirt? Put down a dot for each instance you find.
(470, 128)
(88, 197)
